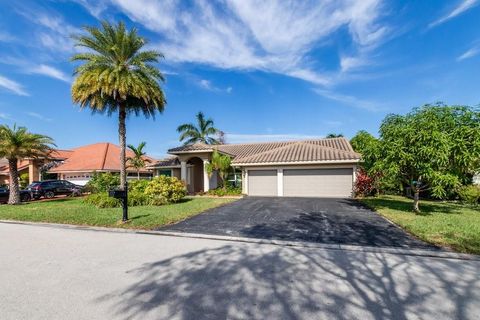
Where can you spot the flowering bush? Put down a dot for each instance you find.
(163, 189)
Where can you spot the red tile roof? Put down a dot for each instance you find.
(94, 157)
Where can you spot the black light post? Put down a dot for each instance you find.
(125, 203)
(123, 196)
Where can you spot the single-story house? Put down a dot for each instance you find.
(35, 168)
(99, 157)
(307, 168)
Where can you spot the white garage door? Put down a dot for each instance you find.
(336, 183)
(262, 182)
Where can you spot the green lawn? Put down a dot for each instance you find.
(443, 223)
(74, 211)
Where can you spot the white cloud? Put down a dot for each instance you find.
(50, 72)
(273, 36)
(245, 138)
(38, 116)
(469, 53)
(12, 86)
(461, 8)
(208, 85)
(6, 37)
(5, 116)
(351, 101)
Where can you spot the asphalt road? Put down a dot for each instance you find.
(319, 220)
(55, 273)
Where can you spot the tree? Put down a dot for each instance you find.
(220, 163)
(138, 160)
(334, 135)
(369, 147)
(200, 132)
(435, 148)
(18, 143)
(117, 76)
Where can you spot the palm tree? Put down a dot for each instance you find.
(17, 143)
(334, 135)
(201, 132)
(117, 76)
(138, 160)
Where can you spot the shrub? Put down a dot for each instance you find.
(136, 198)
(138, 185)
(170, 189)
(24, 179)
(469, 194)
(364, 184)
(102, 182)
(229, 191)
(102, 200)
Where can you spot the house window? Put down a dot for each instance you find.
(165, 172)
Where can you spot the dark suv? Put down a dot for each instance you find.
(4, 194)
(51, 188)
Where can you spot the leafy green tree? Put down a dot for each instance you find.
(117, 76)
(435, 148)
(201, 132)
(369, 147)
(334, 135)
(18, 143)
(138, 161)
(222, 164)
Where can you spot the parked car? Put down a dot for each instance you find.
(51, 188)
(24, 195)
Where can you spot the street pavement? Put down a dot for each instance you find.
(64, 273)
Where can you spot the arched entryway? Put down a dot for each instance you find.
(196, 175)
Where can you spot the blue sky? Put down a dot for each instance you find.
(269, 70)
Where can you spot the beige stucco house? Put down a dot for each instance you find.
(307, 168)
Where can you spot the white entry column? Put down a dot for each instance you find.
(206, 178)
(183, 171)
(280, 182)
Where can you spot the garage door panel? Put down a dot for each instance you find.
(318, 182)
(262, 182)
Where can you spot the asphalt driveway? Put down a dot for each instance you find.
(330, 221)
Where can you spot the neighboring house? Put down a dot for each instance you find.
(98, 157)
(310, 168)
(35, 168)
(476, 179)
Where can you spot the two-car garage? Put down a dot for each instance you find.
(307, 182)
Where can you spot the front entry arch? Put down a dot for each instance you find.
(196, 172)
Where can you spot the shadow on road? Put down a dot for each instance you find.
(264, 282)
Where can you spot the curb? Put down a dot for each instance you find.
(303, 244)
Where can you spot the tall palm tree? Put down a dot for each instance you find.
(117, 76)
(201, 132)
(138, 161)
(17, 143)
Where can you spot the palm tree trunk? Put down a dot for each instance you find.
(122, 135)
(14, 197)
(138, 174)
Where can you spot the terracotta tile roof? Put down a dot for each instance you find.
(333, 149)
(23, 164)
(94, 157)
